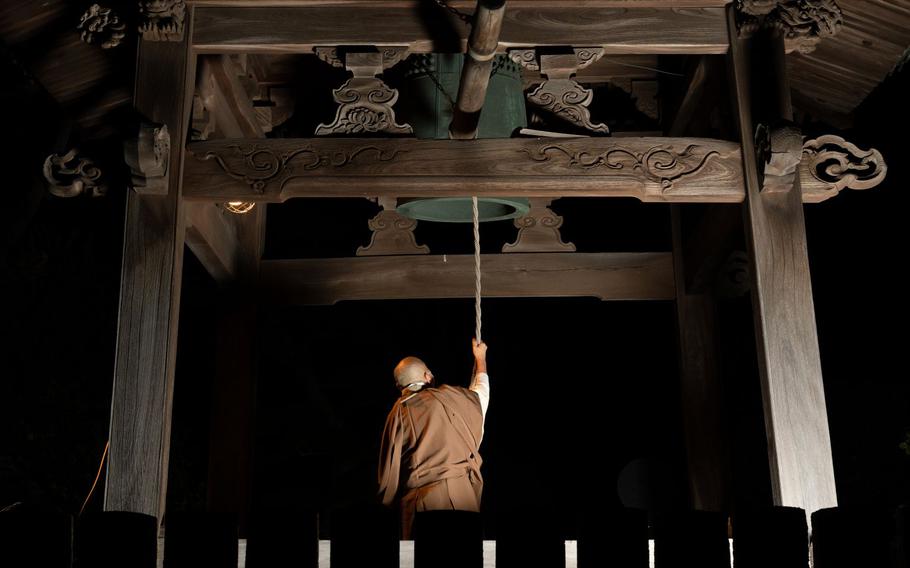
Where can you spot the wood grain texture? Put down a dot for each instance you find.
(300, 28)
(650, 169)
(220, 90)
(469, 5)
(149, 299)
(796, 420)
(608, 276)
(701, 385)
(213, 239)
(831, 81)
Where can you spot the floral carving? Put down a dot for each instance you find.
(101, 26)
(366, 106)
(661, 164)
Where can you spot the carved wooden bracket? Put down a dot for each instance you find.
(365, 101)
(803, 23)
(393, 233)
(780, 150)
(101, 26)
(560, 94)
(70, 175)
(148, 155)
(162, 20)
(839, 164)
(538, 231)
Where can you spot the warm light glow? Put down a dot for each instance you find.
(239, 207)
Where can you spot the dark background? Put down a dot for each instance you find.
(580, 387)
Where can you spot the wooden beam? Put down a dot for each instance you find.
(650, 169)
(300, 28)
(213, 239)
(701, 388)
(468, 5)
(150, 296)
(796, 420)
(608, 276)
(224, 97)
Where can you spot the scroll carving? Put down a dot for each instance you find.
(803, 23)
(393, 233)
(780, 150)
(660, 164)
(834, 161)
(70, 175)
(148, 155)
(162, 20)
(101, 26)
(560, 94)
(538, 231)
(329, 55)
(527, 58)
(261, 166)
(365, 101)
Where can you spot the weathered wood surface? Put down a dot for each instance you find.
(701, 386)
(796, 420)
(469, 5)
(650, 169)
(222, 94)
(475, 73)
(622, 29)
(609, 276)
(149, 299)
(213, 239)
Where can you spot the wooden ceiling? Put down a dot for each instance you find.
(833, 80)
(90, 83)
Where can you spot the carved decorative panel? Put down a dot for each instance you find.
(840, 164)
(102, 27)
(162, 20)
(148, 155)
(70, 175)
(538, 231)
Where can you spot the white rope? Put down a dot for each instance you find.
(477, 321)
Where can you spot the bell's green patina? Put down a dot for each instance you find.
(427, 98)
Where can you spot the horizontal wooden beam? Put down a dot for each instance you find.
(469, 5)
(650, 169)
(627, 27)
(608, 276)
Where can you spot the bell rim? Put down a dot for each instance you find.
(520, 207)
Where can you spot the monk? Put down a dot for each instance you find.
(429, 458)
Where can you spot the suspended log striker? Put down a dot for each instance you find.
(426, 103)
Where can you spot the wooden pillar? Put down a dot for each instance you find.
(233, 399)
(796, 421)
(701, 390)
(150, 295)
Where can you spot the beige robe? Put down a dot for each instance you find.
(429, 458)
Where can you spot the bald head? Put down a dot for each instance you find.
(411, 370)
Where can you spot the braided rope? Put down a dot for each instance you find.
(477, 320)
